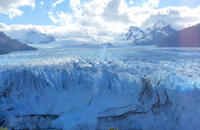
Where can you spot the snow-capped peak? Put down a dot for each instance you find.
(160, 25)
(134, 28)
(153, 35)
(134, 34)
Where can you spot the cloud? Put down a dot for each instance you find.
(113, 13)
(151, 3)
(57, 2)
(60, 17)
(103, 17)
(75, 4)
(42, 3)
(178, 17)
(96, 16)
(131, 2)
(11, 7)
(17, 31)
(76, 7)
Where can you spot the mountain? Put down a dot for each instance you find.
(10, 45)
(189, 37)
(135, 35)
(150, 36)
(34, 37)
(160, 31)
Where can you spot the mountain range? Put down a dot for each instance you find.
(150, 36)
(33, 37)
(160, 34)
(11, 45)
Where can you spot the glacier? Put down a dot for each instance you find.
(144, 88)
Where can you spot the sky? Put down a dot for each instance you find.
(94, 17)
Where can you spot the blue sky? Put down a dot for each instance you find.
(93, 17)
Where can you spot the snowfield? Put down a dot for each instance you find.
(144, 88)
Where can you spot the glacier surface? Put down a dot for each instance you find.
(86, 88)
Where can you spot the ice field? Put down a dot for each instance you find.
(146, 88)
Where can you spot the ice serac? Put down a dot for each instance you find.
(147, 90)
(10, 45)
(188, 37)
(33, 37)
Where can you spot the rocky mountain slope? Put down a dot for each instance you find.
(9, 45)
(189, 37)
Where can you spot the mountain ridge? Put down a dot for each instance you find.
(188, 37)
(150, 36)
(8, 45)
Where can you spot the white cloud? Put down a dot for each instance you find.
(151, 3)
(103, 17)
(76, 7)
(11, 7)
(131, 2)
(98, 16)
(113, 13)
(178, 17)
(42, 3)
(57, 2)
(75, 3)
(17, 31)
(61, 18)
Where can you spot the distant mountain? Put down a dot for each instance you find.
(151, 36)
(189, 37)
(135, 35)
(34, 37)
(9, 45)
(160, 31)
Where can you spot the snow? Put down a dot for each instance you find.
(33, 37)
(150, 36)
(134, 35)
(160, 25)
(93, 88)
